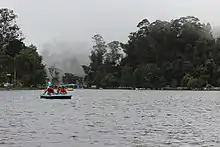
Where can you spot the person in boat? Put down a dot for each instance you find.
(58, 90)
(49, 90)
(62, 90)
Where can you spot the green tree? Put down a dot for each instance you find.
(114, 56)
(196, 83)
(126, 76)
(186, 80)
(9, 30)
(10, 39)
(97, 57)
(30, 70)
(182, 52)
(109, 81)
(98, 52)
(176, 47)
(23, 62)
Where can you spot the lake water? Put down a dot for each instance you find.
(98, 118)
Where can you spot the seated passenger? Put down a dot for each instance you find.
(49, 90)
(63, 90)
(58, 90)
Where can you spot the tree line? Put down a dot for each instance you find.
(19, 64)
(178, 53)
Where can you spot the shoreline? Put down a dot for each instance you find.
(162, 89)
(23, 88)
(159, 89)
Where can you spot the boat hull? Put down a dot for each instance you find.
(56, 96)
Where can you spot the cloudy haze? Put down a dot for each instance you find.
(73, 22)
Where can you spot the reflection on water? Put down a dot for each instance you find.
(110, 118)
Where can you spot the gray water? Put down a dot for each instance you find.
(98, 118)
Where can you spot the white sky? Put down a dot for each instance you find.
(43, 21)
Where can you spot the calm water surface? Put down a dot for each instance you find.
(98, 118)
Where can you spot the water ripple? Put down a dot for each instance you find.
(110, 118)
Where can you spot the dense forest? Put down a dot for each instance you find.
(179, 53)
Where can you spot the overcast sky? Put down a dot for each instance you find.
(43, 21)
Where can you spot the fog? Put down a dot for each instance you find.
(62, 29)
(68, 57)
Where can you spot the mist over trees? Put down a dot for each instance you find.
(22, 65)
(182, 52)
(66, 56)
(178, 53)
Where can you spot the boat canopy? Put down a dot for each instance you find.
(71, 85)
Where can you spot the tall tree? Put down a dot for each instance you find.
(9, 30)
(114, 55)
(97, 59)
(10, 38)
(30, 70)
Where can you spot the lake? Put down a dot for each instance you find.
(122, 118)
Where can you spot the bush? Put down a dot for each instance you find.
(196, 83)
